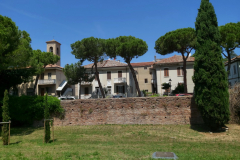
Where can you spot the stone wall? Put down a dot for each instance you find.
(159, 110)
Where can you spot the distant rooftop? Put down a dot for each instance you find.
(107, 63)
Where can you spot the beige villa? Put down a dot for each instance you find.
(113, 76)
(171, 69)
(52, 81)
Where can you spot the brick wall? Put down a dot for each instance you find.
(159, 110)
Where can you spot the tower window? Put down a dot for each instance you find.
(51, 49)
(57, 52)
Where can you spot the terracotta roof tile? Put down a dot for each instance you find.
(174, 59)
(233, 59)
(53, 66)
(142, 64)
(107, 63)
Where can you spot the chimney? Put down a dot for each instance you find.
(190, 54)
(118, 60)
(155, 58)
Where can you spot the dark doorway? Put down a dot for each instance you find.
(42, 91)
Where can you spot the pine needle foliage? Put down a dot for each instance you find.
(46, 116)
(210, 78)
(5, 118)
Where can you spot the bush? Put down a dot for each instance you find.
(178, 89)
(46, 116)
(6, 118)
(25, 109)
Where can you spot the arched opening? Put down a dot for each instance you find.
(51, 49)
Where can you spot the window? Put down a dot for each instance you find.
(42, 76)
(146, 80)
(15, 91)
(119, 74)
(49, 75)
(86, 91)
(109, 90)
(234, 68)
(108, 75)
(120, 89)
(166, 74)
(51, 49)
(48, 89)
(30, 91)
(145, 67)
(179, 71)
(57, 51)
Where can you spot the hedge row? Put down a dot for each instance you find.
(25, 109)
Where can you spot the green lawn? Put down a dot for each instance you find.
(123, 142)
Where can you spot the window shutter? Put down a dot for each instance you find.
(123, 89)
(178, 71)
(166, 72)
(119, 74)
(182, 71)
(108, 75)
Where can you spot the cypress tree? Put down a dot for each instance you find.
(5, 118)
(210, 78)
(46, 116)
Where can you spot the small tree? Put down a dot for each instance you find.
(230, 40)
(166, 86)
(181, 41)
(210, 78)
(128, 47)
(75, 73)
(178, 89)
(6, 118)
(91, 49)
(46, 116)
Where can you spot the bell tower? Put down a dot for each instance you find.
(54, 47)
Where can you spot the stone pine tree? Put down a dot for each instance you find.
(211, 87)
(5, 118)
(182, 41)
(127, 47)
(230, 40)
(91, 49)
(75, 73)
(46, 116)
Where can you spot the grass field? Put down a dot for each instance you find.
(123, 142)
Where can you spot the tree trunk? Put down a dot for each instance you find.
(99, 83)
(135, 79)
(229, 63)
(35, 85)
(185, 72)
(79, 96)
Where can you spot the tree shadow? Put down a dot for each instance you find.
(55, 140)
(17, 131)
(15, 142)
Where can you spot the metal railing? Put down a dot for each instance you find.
(47, 81)
(120, 80)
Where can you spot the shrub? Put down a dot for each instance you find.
(46, 116)
(6, 118)
(25, 109)
(178, 89)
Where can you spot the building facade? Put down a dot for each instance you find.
(49, 81)
(234, 74)
(171, 70)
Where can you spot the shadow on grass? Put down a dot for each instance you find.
(51, 141)
(205, 128)
(15, 143)
(17, 131)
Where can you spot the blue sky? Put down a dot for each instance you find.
(72, 20)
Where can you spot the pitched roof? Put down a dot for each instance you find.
(233, 59)
(174, 59)
(142, 64)
(53, 66)
(107, 63)
(53, 41)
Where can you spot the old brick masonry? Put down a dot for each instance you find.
(159, 110)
